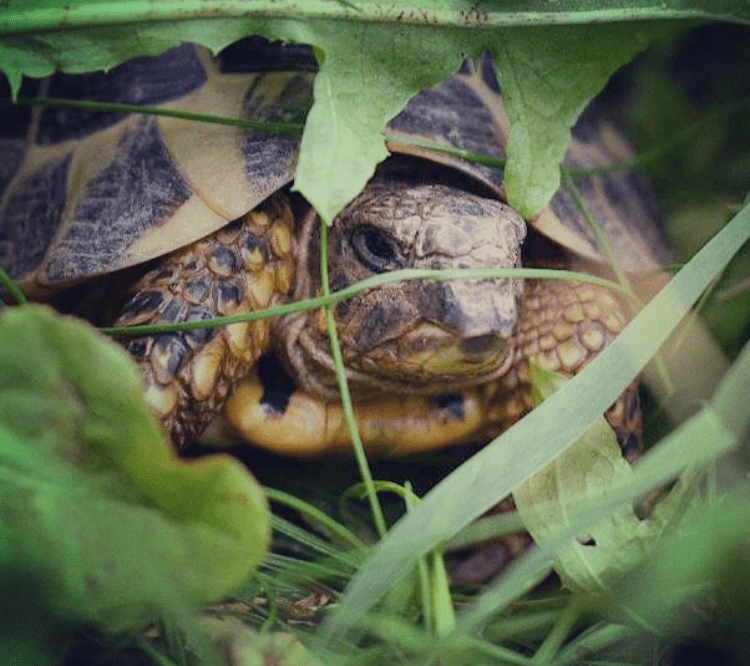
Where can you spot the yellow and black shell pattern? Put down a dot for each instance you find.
(86, 193)
(83, 193)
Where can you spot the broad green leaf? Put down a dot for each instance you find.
(493, 472)
(91, 48)
(100, 521)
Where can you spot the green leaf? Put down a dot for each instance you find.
(362, 84)
(96, 510)
(547, 75)
(550, 500)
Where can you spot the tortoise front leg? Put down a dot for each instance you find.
(243, 267)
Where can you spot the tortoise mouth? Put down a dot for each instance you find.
(430, 357)
(480, 345)
(427, 359)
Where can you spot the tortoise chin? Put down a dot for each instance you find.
(423, 359)
(428, 358)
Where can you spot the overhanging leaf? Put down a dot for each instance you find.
(547, 74)
(368, 73)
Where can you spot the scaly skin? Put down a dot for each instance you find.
(563, 326)
(244, 267)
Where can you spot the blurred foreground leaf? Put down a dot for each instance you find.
(547, 75)
(700, 573)
(100, 522)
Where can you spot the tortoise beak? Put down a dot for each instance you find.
(430, 355)
(479, 345)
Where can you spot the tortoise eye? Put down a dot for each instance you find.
(375, 249)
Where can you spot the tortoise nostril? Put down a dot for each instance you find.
(481, 344)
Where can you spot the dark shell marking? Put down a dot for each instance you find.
(114, 180)
(31, 217)
(148, 80)
(140, 189)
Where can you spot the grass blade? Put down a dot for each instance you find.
(494, 471)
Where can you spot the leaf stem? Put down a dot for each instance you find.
(346, 399)
(12, 288)
(263, 126)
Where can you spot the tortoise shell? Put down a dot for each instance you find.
(86, 193)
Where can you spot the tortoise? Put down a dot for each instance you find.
(206, 211)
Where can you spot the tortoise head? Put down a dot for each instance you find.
(411, 335)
